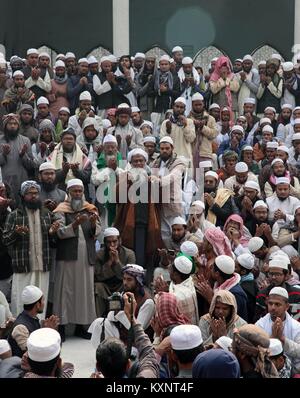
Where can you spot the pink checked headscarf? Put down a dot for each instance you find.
(235, 217)
(219, 241)
(215, 76)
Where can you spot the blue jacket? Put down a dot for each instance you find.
(225, 145)
(241, 301)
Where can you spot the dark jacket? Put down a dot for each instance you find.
(222, 213)
(241, 301)
(121, 88)
(164, 101)
(74, 89)
(251, 289)
(10, 368)
(104, 101)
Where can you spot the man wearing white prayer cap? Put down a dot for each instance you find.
(138, 62)
(249, 81)
(110, 261)
(177, 55)
(238, 181)
(150, 148)
(12, 100)
(214, 111)
(223, 273)
(279, 359)
(136, 117)
(186, 344)
(190, 80)
(279, 324)
(180, 129)
(291, 84)
(78, 83)
(58, 92)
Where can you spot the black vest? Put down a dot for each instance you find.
(67, 249)
(30, 323)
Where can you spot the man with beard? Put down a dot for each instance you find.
(16, 159)
(102, 86)
(235, 142)
(138, 62)
(281, 204)
(136, 118)
(180, 129)
(70, 61)
(177, 55)
(50, 195)
(219, 203)
(69, 161)
(242, 175)
(179, 235)
(77, 84)
(230, 159)
(259, 225)
(33, 300)
(18, 94)
(43, 112)
(270, 87)
(58, 94)
(291, 85)
(278, 169)
(117, 324)
(246, 200)
(110, 261)
(74, 300)
(237, 65)
(142, 80)
(248, 79)
(27, 128)
(37, 78)
(27, 234)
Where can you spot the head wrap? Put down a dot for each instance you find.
(219, 241)
(136, 271)
(168, 312)
(29, 184)
(10, 116)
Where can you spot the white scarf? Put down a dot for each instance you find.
(266, 323)
(181, 75)
(130, 96)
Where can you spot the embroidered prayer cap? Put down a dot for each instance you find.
(287, 106)
(32, 51)
(70, 55)
(42, 101)
(255, 244)
(31, 294)
(282, 180)
(146, 123)
(59, 64)
(268, 129)
(260, 203)
(205, 163)
(237, 127)
(283, 148)
(18, 73)
(241, 167)
(46, 166)
(167, 140)
(264, 120)
(44, 54)
(212, 174)
(164, 57)
(177, 49)
(65, 109)
(189, 248)
(74, 182)
(279, 291)
(180, 99)
(149, 138)
(247, 58)
(279, 262)
(275, 347)
(109, 138)
(185, 337)
(178, 221)
(83, 61)
(214, 106)
(92, 60)
(296, 136)
(225, 264)
(111, 232)
(85, 96)
(247, 148)
(137, 151)
(197, 97)
(43, 345)
(246, 260)
(249, 100)
(252, 185)
(183, 265)
(90, 121)
(270, 108)
(135, 109)
(272, 145)
(277, 160)
(187, 61)
(140, 55)
(287, 66)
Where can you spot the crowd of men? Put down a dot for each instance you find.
(153, 209)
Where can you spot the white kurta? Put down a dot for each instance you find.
(287, 206)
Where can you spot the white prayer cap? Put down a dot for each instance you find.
(32, 51)
(264, 120)
(248, 58)
(146, 123)
(248, 148)
(60, 56)
(70, 55)
(110, 138)
(172, 60)
(177, 49)
(111, 232)
(255, 244)
(44, 54)
(135, 109)
(287, 106)
(270, 108)
(212, 174)
(246, 260)
(92, 60)
(283, 148)
(225, 264)
(74, 182)
(282, 180)
(178, 220)
(237, 127)
(137, 151)
(90, 121)
(205, 163)
(198, 203)
(275, 347)
(268, 129)
(185, 337)
(276, 56)
(260, 203)
(4, 346)
(249, 100)
(167, 140)
(214, 59)
(59, 64)
(241, 167)
(277, 160)
(272, 145)
(123, 105)
(197, 96)
(278, 252)
(65, 109)
(164, 57)
(106, 123)
(189, 248)
(183, 265)
(18, 73)
(46, 166)
(224, 342)
(282, 258)
(43, 345)
(132, 59)
(180, 99)
(214, 106)
(279, 291)
(252, 185)
(85, 96)
(31, 294)
(83, 60)
(104, 59)
(263, 62)
(296, 136)
(297, 121)
(187, 61)
(149, 138)
(42, 100)
(112, 58)
(238, 59)
(140, 55)
(279, 262)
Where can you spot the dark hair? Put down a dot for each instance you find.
(43, 368)
(29, 307)
(182, 276)
(188, 356)
(223, 275)
(245, 269)
(111, 358)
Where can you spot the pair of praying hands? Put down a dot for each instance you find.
(279, 215)
(263, 229)
(51, 322)
(114, 256)
(128, 139)
(277, 329)
(66, 166)
(209, 199)
(203, 287)
(82, 218)
(218, 327)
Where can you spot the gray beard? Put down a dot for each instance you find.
(77, 204)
